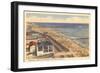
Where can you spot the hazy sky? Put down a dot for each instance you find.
(57, 17)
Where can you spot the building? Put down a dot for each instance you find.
(44, 47)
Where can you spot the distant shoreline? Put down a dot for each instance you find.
(58, 23)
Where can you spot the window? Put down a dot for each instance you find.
(45, 48)
(50, 48)
(39, 48)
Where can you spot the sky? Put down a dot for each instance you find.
(58, 17)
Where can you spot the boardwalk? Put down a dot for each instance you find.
(58, 46)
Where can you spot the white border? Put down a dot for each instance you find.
(49, 63)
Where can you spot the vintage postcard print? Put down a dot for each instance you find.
(55, 35)
(52, 36)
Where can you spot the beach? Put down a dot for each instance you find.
(68, 48)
